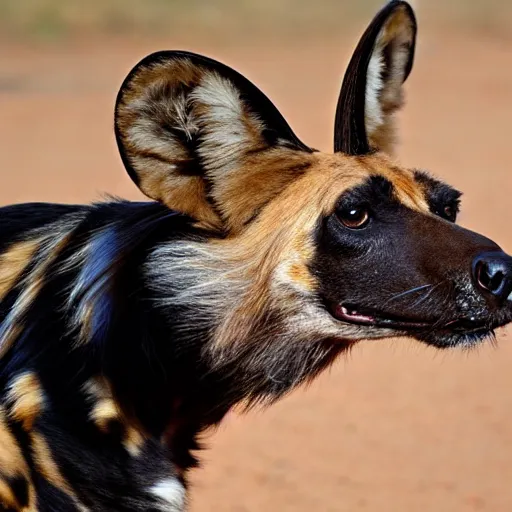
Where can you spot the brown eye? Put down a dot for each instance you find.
(354, 218)
(449, 212)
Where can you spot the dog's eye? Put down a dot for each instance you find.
(354, 218)
(448, 212)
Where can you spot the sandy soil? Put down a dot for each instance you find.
(396, 427)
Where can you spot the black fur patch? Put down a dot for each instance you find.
(443, 199)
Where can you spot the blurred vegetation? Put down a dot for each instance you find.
(22, 19)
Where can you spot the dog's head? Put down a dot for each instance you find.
(340, 246)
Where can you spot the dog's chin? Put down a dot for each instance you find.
(457, 332)
(449, 339)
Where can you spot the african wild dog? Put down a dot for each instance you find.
(129, 328)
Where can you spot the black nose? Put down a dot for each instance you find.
(492, 272)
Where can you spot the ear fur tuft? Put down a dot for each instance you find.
(372, 88)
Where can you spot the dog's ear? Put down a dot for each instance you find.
(372, 88)
(199, 137)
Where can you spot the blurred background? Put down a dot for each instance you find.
(395, 427)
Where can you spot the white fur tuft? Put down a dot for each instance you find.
(227, 130)
(171, 494)
(374, 84)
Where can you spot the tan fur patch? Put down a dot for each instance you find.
(7, 498)
(259, 179)
(12, 461)
(105, 410)
(133, 441)
(407, 190)
(103, 413)
(12, 465)
(174, 73)
(49, 469)
(399, 24)
(26, 399)
(32, 285)
(13, 262)
(47, 466)
(299, 274)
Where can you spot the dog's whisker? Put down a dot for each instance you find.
(425, 296)
(407, 292)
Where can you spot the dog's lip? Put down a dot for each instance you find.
(356, 315)
(371, 317)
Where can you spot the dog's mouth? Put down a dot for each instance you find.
(366, 316)
(357, 315)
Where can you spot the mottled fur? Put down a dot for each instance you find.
(128, 329)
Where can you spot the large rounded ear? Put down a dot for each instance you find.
(372, 88)
(199, 137)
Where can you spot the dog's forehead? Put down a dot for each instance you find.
(347, 172)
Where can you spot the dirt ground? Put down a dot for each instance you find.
(395, 427)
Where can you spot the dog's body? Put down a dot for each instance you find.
(59, 419)
(127, 329)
